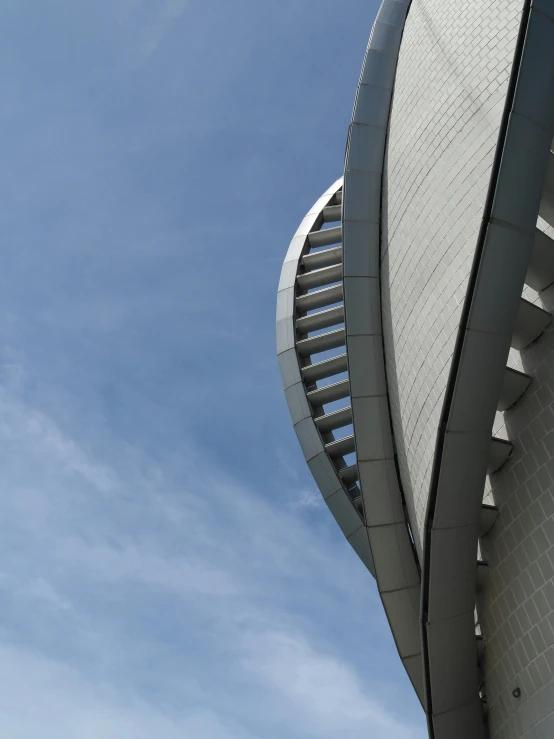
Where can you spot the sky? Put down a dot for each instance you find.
(167, 567)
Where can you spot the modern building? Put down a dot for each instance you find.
(417, 353)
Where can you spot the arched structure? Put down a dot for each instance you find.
(396, 565)
(439, 297)
(310, 348)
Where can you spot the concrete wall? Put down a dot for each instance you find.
(452, 75)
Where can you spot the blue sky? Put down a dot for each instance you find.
(166, 566)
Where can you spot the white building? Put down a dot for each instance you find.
(417, 353)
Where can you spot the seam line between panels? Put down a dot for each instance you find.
(464, 320)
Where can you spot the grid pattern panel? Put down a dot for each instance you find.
(518, 613)
(452, 76)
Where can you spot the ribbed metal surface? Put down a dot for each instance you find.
(310, 300)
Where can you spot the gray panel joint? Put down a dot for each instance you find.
(396, 568)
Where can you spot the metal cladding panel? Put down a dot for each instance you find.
(518, 607)
(293, 352)
(449, 95)
(396, 566)
(519, 597)
(468, 151)
(431, 272)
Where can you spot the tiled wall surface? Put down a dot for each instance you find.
(453, 70)
(517, 613)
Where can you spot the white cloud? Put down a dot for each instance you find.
(40, 590)
(42, 698)
(325, 692)
(309, 499)
(144, 590)
(134, 586)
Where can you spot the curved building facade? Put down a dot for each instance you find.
(417, 353)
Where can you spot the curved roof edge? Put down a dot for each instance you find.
(296, 375)
(395, 560)
(475, 380)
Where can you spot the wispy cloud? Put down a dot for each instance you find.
(102, 557)
(167, 567)
(308, 498)
(325, 693)
(42, 697)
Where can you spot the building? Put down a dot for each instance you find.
(417, 353)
